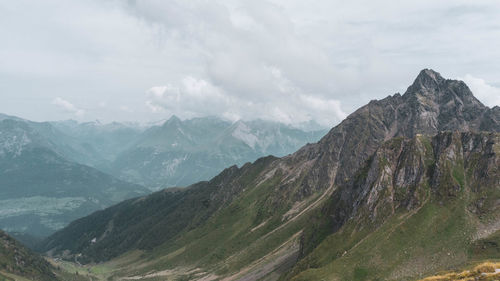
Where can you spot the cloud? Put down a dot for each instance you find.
(198, 97)
(486, 93)
(271, 57)
(288, 58)
(68, 107)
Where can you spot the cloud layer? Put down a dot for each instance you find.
(197, 97)
(285, 60)
(68, 107)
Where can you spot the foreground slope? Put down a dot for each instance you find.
(257, 221)
(19, 262)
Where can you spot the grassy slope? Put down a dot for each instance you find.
(222, 244)
(434, 238)
(15, 259)
(225, 243)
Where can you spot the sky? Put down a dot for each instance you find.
(283, 60)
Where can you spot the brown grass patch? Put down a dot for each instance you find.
(485, 271)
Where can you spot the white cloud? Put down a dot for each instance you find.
(271, 57)
(197, 97)
(68, 107)
(289, 61)
(486, 93)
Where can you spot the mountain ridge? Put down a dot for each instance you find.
(179, 153)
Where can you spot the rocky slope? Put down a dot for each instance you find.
(383, 171)
(416, 206)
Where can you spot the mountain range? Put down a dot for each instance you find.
(54, 172)
(180, 153)
(41, 188)
(404, 187)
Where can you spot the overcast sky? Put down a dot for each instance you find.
(283, 60)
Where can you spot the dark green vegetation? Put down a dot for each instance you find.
(17, 260)
(156, 218)
(18, 263)
(405, 186)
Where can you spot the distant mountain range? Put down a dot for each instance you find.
(41, 189)
(180, 153)
(54, 172)
(405, 186)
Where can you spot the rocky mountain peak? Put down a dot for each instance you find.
(429, 84)
(428, 79)
(431, 89)
(430, 105)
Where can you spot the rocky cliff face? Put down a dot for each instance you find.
(405, 173)
(431, 104)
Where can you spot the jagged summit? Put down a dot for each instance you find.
(428, 78)
(431, 87)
